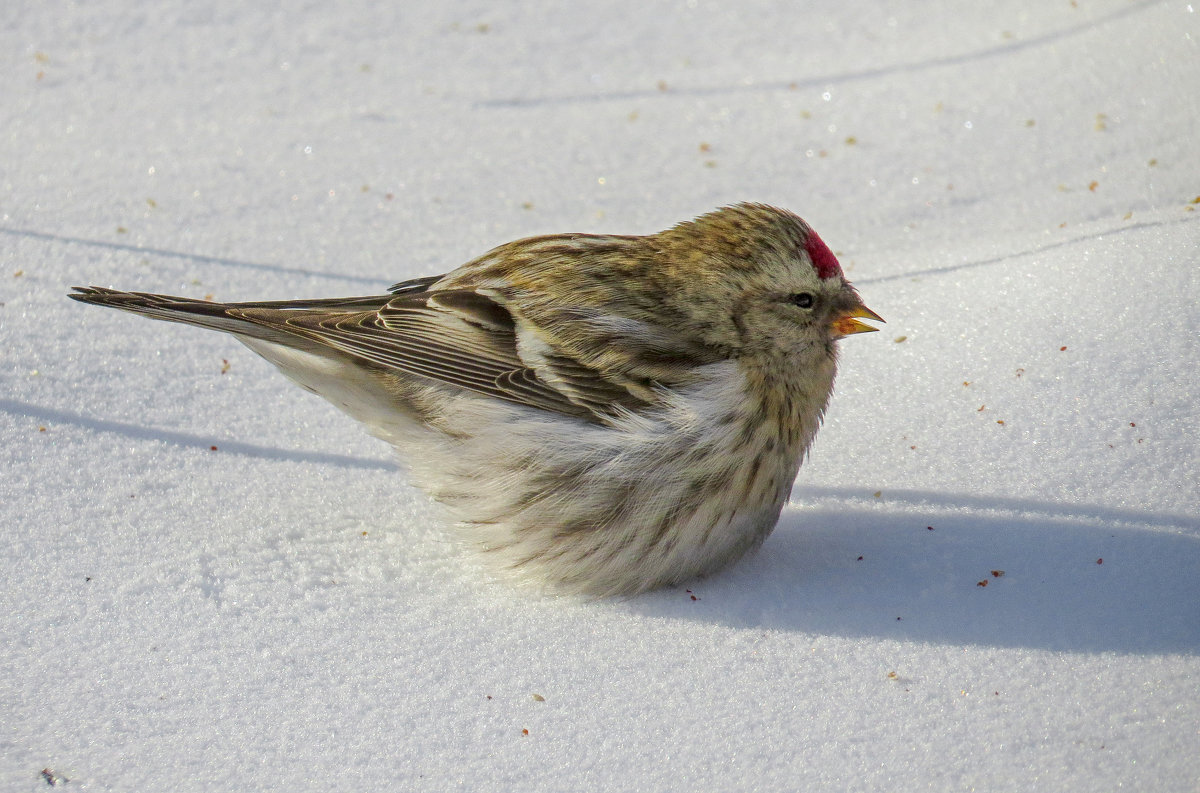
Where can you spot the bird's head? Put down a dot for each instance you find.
(758, 281)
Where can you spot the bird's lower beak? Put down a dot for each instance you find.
(849, 322)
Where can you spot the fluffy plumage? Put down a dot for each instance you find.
(605, 414)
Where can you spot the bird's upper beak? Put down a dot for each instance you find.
(848, 322)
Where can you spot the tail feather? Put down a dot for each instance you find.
(384, 404)
(201, 313)
(226, 317)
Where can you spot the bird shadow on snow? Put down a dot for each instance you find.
(945, 569)
(912, 566)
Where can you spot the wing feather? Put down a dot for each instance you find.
(463, 340)
(461, 337)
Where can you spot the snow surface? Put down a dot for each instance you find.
(1010, 184)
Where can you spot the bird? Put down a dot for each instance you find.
(599, 414)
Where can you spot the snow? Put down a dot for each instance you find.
(1012, 187)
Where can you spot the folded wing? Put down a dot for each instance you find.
(458, 337)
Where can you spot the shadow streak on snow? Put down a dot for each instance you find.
(117, 246)
(1007, 48)
(926, 499)
(1074, 579)
(227, 446)
(1147, 224)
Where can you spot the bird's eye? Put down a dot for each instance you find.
(802, 299)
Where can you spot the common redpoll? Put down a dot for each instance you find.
(604, 414)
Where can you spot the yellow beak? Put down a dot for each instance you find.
(848, 323)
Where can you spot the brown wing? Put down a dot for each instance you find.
(455, 337)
